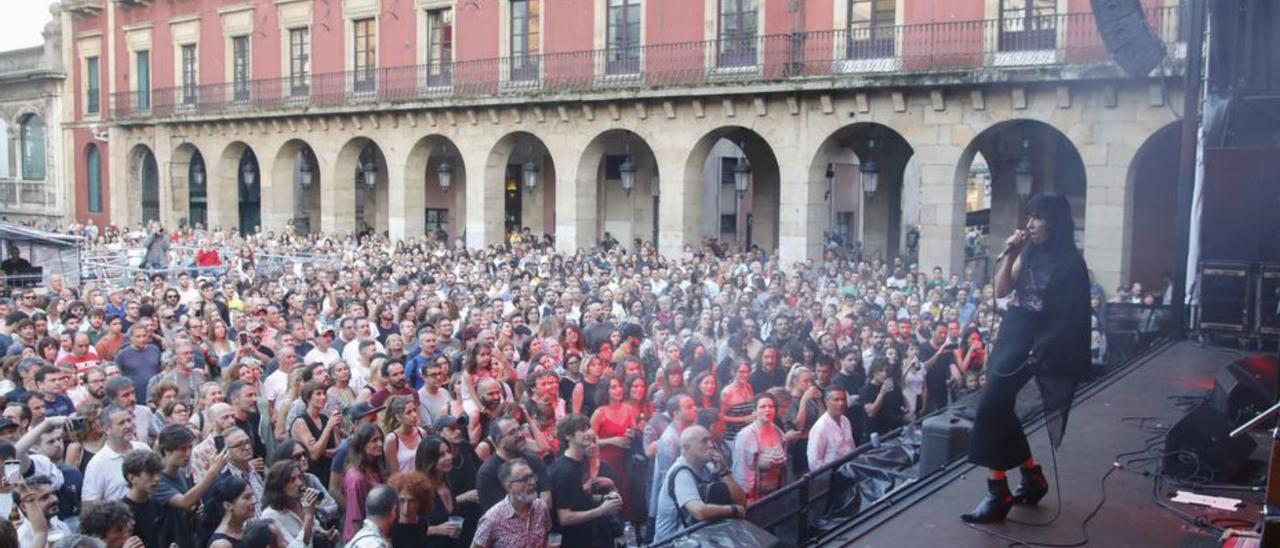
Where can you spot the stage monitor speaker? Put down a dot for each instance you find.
(1243, 389)
(944, 437)
(733, 532)
(1124, 29)
(1199, 446)
(1224, 296)
(1268, 311)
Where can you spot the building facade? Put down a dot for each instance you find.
(33, 184)
(763, 122)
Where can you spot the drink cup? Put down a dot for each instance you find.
(456, 521)
(553, 540)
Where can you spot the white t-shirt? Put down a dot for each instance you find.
(327, 358)
(274, 385)
(104, 476)
(57, 530)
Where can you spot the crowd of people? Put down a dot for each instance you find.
(369, 393)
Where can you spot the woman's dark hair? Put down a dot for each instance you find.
(226, 489)
(357, 458)
(428, 455)
(278, 477)
(284, 451)
(1056, 212)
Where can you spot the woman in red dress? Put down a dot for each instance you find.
(615, 426)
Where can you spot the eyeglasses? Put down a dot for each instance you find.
(301, 456)
(522, 479)
(241, 445)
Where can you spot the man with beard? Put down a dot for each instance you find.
(103, 478)
(435, 398)
(52, 447)
(520, 518)
(39, 514)
(480, 415)
(393, 372)
(768, 374)
(219, 417)
(508, 436)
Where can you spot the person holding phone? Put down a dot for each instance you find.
(291, 505)
(882, 399)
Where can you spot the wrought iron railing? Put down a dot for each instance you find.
(1065, 39)
(28, 196)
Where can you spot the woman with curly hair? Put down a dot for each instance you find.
(400, 423)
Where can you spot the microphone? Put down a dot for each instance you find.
(1008, 248)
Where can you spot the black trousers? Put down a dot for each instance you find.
(998, 441)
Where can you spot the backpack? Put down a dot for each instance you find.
(709, 491)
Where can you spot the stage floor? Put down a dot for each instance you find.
(1095, 435)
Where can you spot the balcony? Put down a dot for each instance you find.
(28, 197)
(83, 7)
(935, 52)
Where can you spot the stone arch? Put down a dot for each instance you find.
(851, 212)
(143, 181)
(1009, 146)
(442, 209)
(515, 205)
(295, 177)
(236, 200)
(367, 207)
(189, 185)
(598, 182)
(752, 220)
(1152, 179)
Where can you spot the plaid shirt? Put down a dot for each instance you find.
(501, 527)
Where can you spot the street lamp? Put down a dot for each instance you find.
(250, 175)
(831, 181)
(628, 173)
(741, 173)
(870, 171)
(370, 173)
(529, 172)
(1023, 176)
(197, 176)
(444, 174)
(306, 174)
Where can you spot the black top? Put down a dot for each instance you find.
(935, 378)
(588, 397)
(567, 476)
(762, 380)
(250, 427)
(319, 467)
(235, 542)
(176, 525)
(491, 489)
(1055, 286)
(891, 414)
(145, 516)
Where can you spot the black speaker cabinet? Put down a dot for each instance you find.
(1124, 29)
(1199, 446)
(1224, 296)
(1240, 391)
(1267, 313)
(945, 436)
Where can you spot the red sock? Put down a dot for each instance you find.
(1031, 463)
(997, 475)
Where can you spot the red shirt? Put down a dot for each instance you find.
(208, 257)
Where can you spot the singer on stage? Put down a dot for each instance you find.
(1045, 335)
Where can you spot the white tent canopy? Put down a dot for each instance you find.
(52, 252)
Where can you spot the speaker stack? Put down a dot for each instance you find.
(1199, 445)
(1225, 290)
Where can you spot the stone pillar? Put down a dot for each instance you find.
(1107, 212)
(484, 194)
(337, 191)
(576, 198)
(942, 211)
(802, 214)
(679, 197)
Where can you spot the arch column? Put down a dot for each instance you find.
(337, 194)
(802, 216)
(942, 207)
(1107, 216)
(576, 204)
(484, 194)
(277, 188)
(678, 189)
(404, 197)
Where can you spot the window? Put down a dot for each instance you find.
(439, 47)
(437, 220)
(525, 39)
(142, 74)
(240, 67)
(94, 175)
(623, 40)
(871, 29)
(1028, 24)
(93, 91)
(364, 77)
(736, 42)
(32, 135)
(189, 74)
(299, 61)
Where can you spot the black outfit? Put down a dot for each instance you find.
(762, 380)
(588, 397)
(936, 377)
(145, 516)
(891, 414)
(235, 542)
(319, 467)
(250, 427)
(439, 514)
(567, 476)
(1045, 335)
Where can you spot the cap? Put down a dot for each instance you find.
(633, 330)
(328, 331)
(6, 423)
(446, 421)
(364, 409)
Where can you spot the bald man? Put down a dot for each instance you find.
(679, 503)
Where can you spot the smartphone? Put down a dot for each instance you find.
(219, 443)
(78, 423)
(244, 338)
(11, 471)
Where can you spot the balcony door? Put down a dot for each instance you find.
(526, 39)
(1028, 25)
(871, 29)
(738, 28)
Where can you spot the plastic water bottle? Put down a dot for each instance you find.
(875, 439)
(629, 533)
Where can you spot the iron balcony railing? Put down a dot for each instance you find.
(1065, 39)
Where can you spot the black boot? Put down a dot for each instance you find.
(1033, 488)
(995, 506)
